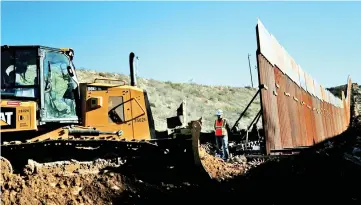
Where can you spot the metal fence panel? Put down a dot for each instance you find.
(320, 92)
(332, 99)
(327, 119)
(285, 128)
(309, 87)
(287, 62)
(265, 43)
(324, 122)
(296, 110)
(332, 120)
(327, 96)
(307, 83)
(292, 110)
(323, 94)
(333, 123)
(337, 121)
(301, 75)
(280, 55)
(337, 102)
(308, 123)
(275, 48)
(317, 89)
(269, 105)
(329, 116)
(303, 116)
(332, 127)
(293, 72)
(312, 88)
(294, 69)
(320, 120)
(312, 119)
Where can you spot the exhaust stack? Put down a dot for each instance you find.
(133, 80)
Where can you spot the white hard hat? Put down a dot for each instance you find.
(219, 112)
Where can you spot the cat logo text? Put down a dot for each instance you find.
(6, 118)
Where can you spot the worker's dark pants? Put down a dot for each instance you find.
(222, 146)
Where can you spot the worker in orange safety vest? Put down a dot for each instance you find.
(221, 133)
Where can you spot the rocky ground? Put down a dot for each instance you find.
(327, 173)
(108, 181)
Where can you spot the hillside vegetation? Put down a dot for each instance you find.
(201, 100)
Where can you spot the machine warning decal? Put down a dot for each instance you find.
(16, 103)
(8, 118)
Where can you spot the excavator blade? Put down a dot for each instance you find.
(196, 131)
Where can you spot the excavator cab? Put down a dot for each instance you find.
(38, 86)
(41, 92)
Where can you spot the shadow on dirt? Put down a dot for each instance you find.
(319, 175)
(152, 181)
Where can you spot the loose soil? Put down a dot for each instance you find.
(103, 181)
(320, 175)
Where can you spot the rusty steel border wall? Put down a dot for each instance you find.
(296, 110)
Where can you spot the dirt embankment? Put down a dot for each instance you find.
(61, 183)
(107, 182)
(324, 171)
(54, 189)
(221, 170)
(218, 169)
(329, 172)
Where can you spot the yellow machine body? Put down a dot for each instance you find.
(18, 116)
(45, 111)
(118, 110)
(109, 107)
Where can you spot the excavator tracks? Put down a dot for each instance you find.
(182, 152)
(54, 150)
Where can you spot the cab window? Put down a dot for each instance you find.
(19, 72)
(59, 96)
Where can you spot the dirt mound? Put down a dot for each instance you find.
(106, 182)
(5, 168)
(61, 189)
(219, 169)
(65, 182)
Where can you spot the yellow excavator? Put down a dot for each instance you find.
(46, 114)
